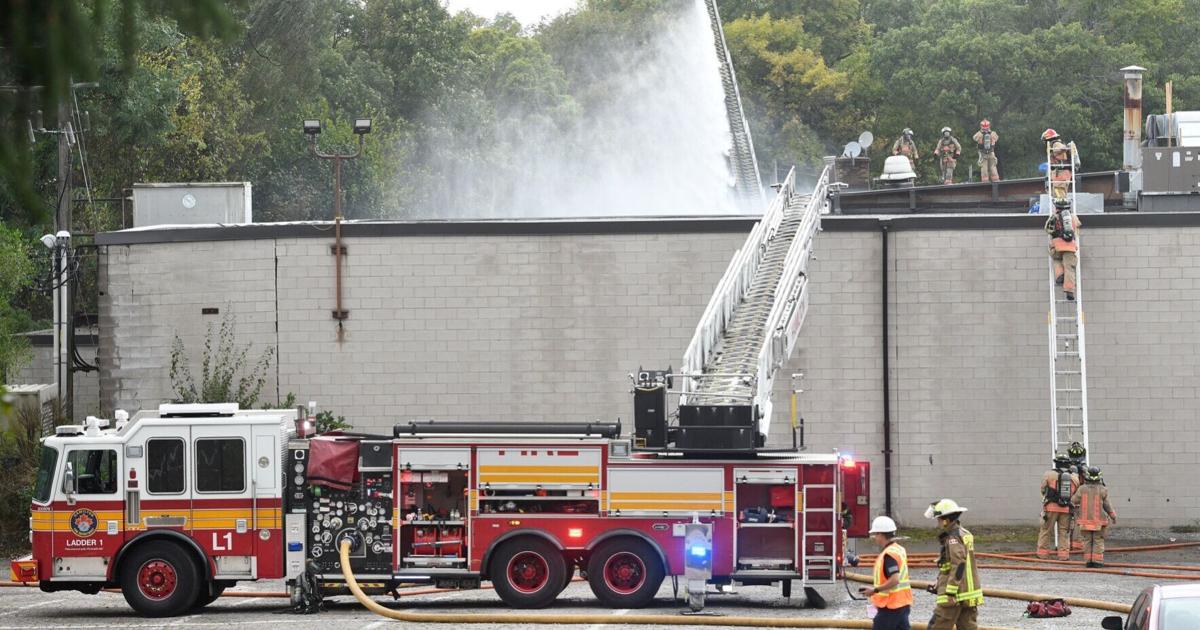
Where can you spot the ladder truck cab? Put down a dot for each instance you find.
(171, 506)
(174, 506)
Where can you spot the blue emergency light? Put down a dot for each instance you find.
(699, 551)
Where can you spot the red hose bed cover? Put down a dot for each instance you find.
(332, 463)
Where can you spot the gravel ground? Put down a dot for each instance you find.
(21, 608)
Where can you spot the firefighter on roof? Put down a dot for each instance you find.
(947, 151)
(1095, 514)
(891, 594)
(958, 590)
(906, 146)
(1057, 487)
(985, 140)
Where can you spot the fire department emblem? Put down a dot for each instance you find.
(83, 522)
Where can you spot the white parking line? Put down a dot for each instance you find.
(27, 607)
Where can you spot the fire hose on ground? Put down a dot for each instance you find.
(577, 619)
(1029, 597)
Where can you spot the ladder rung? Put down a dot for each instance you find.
(1069, 408)
(1067, 354)
(1070, 426)
(1068, 389)
(1067, 372)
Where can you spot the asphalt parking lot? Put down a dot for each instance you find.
(24, 608)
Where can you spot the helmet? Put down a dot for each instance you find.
(1061, 460)
(907, 131)
(985, 124)
(945, 130)
(882, 525)
(1049, 135)
(945, 507)
(1076, 450)
(1092, 474)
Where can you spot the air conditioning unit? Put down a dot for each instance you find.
(191, 203)
(40, 399)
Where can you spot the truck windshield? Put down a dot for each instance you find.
(45, 475)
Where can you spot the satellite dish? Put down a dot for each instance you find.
(852, 150)
(866, 139)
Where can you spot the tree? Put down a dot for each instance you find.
(48, 44)
(16, 274)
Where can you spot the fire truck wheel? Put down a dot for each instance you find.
(528, 573)
(159, 579)
(625, 573)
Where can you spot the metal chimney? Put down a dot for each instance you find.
(1133, 117)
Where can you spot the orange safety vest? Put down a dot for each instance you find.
(1092, 516)
(900, 595)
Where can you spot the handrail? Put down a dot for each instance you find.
(734, 284)
(791, 300)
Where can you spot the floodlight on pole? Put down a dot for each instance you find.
(362, 126)
(312, 128)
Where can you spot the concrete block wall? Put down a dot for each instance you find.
(40, 370)
(539, 327)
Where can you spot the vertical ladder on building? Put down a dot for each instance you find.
(1067, 342)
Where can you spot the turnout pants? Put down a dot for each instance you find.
(948, 165)
(1065, 264)
(1050, 521)
(892, 619)
(1093, 545)
(987, 168)
(957, 616)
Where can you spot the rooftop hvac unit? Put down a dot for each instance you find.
(39, 399)
(191, 203)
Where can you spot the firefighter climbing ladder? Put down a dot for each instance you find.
(1068, 357)
(752, 321)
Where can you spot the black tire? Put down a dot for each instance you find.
(528, 573)
(625, 573)
(160, 579)
(568, 576)
(209, 593)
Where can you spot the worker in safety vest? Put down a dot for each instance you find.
(1058, 485)
(948, 150)
(985, 140)
(1064, 245)
(891, 596)
(906, 146)
(958, 590)
(1095, 513)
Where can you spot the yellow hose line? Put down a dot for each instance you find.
(640, 620)
(1029, 597)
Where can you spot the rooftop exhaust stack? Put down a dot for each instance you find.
(1133, 117)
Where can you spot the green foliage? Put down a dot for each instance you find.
(225, 375)
(326, 421)
(20, 451)
(16, 274)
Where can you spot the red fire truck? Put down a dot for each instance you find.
(175, 505)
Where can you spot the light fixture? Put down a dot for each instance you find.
(48, 241)
(362, 126)
(312, 127)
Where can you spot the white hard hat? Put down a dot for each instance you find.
(882, 525)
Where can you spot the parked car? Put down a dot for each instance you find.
(1170, 607)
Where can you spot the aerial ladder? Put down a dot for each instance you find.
(1067, 342)
(747, 332)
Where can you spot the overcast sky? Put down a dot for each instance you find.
(527, 11)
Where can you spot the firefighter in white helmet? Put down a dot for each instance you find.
(959, 593)
(891, 595)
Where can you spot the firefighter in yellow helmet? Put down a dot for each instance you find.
(1057, 487)
(958, 590)
(891, 594)
(1095, 513)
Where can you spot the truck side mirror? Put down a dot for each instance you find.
(69, 483)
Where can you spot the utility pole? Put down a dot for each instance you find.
(66, 138)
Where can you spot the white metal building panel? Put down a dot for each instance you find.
(659, 489)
